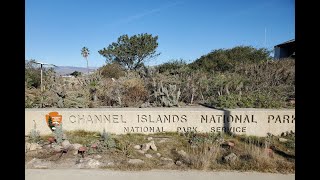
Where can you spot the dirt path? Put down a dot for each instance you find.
(85, 174)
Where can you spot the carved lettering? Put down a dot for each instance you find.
(72, 118)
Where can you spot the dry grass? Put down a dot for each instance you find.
(204, 152)
(82, 137)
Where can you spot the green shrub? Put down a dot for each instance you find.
(32, 74)
(227, 59)
(107, 140)
(76, 73)
(112, 70)
(172, 67)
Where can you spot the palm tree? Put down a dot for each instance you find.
(85, 53)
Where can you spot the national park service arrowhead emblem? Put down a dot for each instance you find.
(53, 119)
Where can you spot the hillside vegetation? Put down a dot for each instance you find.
(240, 77)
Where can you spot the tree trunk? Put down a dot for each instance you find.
(87, 65)
(192, 95)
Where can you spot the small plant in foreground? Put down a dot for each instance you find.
(107, 140)
(34, 134)
(58, 133)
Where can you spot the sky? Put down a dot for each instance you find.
(56, 30)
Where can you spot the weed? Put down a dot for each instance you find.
(107, 140)
(34, 135)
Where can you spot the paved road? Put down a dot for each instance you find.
(86, 174)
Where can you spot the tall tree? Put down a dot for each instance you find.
(131, 52)
(85, 53)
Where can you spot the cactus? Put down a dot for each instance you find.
(58, 133)
(168, 97)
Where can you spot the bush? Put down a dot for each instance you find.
(128, 90)
(238, 77)
(256, 100)
(172, 67)
(107, 140)
(32, 74)
(135, 92)
(112, 70)
(227, 59)
(76, 73)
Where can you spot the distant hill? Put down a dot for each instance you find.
(64, 70)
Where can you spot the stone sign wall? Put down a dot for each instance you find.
(256, 122)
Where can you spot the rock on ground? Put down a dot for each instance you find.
(33, 146)
(283, 140)
(178, 163)
(153, 146)
(145, 147)
(76, 146)
(57, 148)
(231, 157)
(88, 163)
(135, 161)
(66, 144)
(38, 164)
(137, 147)
(148, 155)
(141, 151)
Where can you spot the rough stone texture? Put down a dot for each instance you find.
(38, 164)
(283, 140)
(88, 163)
(158, 154)
(66, 144)
(34, 146)
(57, 148)
(145, 147)
(153, 146)
(137, 147)
(47, 146)
(141, 151)
(231, 157)
(149, 138)
(76, 146)
(135, 161)
(178, 163)
(258, 122)
(74, 152)
(148, 155)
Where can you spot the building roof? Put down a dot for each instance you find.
(285, 43)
